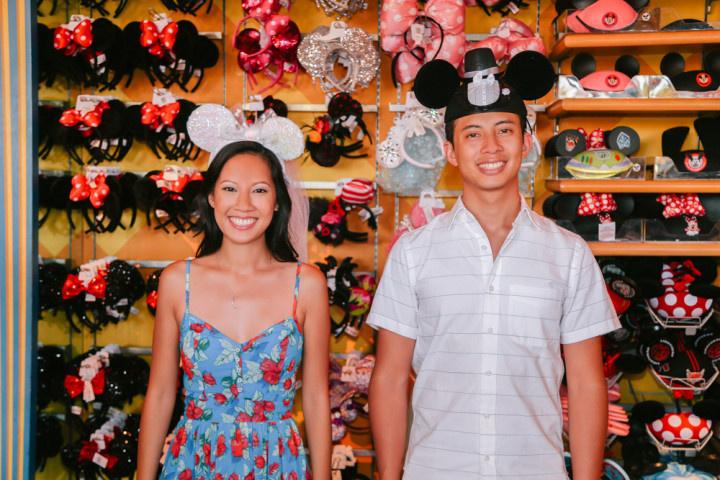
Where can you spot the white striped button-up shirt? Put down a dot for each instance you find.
(488, 335)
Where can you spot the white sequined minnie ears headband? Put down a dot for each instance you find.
(213, 126)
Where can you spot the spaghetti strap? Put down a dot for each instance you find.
(296, 293)
(187, 284)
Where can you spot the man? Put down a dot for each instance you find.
(478, 303)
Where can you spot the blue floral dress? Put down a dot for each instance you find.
(237, 423)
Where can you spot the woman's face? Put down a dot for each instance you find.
(244, 198)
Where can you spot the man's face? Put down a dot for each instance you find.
(488, 149)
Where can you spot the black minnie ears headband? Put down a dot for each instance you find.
(483, 88)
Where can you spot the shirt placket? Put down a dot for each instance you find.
(488, 344)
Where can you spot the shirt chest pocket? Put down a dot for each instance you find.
(533, 310)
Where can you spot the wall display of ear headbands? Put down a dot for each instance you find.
(624, 152)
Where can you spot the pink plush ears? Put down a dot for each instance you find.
(584, 68)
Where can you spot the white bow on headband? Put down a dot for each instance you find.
(213, 126)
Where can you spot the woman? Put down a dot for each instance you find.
(239, 362)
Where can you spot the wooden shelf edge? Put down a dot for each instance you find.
(633, 186)
(647, 249)
(574, 41)
(567, 106)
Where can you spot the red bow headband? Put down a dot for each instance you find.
(83, 189)
(600, 204)
(85, 121)
(157, 116)
(71, 41)
(159, 42)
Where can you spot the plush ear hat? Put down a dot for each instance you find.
(706, 79)
(600, 15)
(584, 68)
(529, 75)
(694, 161)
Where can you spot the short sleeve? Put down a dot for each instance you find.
(394, 307)
(587, 310)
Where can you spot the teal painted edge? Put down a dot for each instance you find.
(3, 301)
(31, 241)
(14, 215)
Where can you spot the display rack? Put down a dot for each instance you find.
(635, 106)
(633, 186)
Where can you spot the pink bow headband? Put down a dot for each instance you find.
(415, 35)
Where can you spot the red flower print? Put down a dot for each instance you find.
(294, 443)
(197, 327)
(234, 390)
(197, 459)
(281, 448)
(207, 451)
(238, 444)
(195, 343)
(233, 476)
(292, 476)
(256, 440)
(287, 384)
(243, 417)
(220, 448)
(187, 365)
(179, 442)
(209, 379)
(271, 371)
(218, 476)
(249, 345)
(274, 468)
(220, 399)
(259, 461)
(185, 474)
(193, 412)
(291, 366)
(250, 476)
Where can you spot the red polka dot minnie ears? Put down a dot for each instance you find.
(328, 219)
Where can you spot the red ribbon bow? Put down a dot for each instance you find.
(87, 121)
(158, 42)
(71, 41)
(74, 287)
(88, 451)
(600, 204)
(681, 204)
(96, 190)
(175, 186)
(152, 299)
(155, 115)
(76, 385)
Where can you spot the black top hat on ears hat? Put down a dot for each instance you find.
(483, 88)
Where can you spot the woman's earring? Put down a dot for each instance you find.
(277, 207)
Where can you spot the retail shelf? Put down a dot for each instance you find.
(698, 249)
(634, 186)
(573, 42)
(634, 106)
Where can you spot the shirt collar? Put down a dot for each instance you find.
(459, 209)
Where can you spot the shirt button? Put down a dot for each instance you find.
(488, 372)
(490, 330)
(484, 247)
(486, 458)
(492, 288)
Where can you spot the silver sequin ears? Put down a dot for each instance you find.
(320, 50)
(213, 126)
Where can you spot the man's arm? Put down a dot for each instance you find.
(587, 404)
(389, 401)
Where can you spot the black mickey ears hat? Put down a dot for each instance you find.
(694, 161)
(529, 75)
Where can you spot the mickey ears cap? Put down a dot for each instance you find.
(478, 59)
(530, 74)
(435, 83)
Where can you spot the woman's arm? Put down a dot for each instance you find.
(315, 396)
(162, 387)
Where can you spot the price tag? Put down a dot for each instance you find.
(352, 331)
(100, 460)
(76, 410)
(336, 31)
(417, 32)
(162, 97)
(85, 103)
(100, 444)
(606, 232)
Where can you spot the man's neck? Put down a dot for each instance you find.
(495, 210)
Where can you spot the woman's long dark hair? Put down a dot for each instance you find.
(277, 237)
